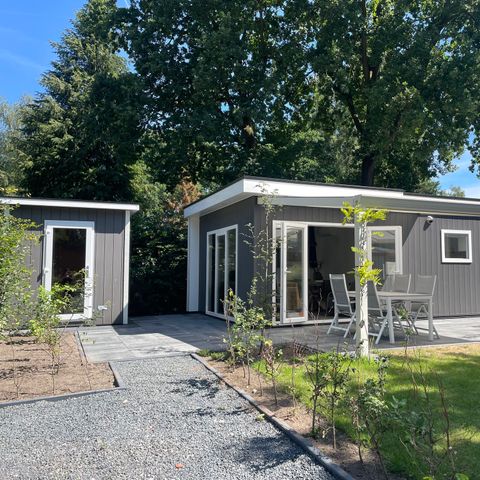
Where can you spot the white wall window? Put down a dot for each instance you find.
(456, 246)
(385, 249)
(221, 268)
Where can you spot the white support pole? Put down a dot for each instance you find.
(361, 299)
(193, 263)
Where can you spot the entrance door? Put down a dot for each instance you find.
(293, 267)
(69, 260)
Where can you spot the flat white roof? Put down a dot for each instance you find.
(328, 196)
(49, 202)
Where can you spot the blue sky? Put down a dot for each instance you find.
(28, 26)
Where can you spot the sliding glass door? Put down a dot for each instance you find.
(221, 268)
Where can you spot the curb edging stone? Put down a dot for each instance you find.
(118, 382)
(326, 462)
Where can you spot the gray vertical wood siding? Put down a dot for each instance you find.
(458, 285)
(109, 253)
(241, 214)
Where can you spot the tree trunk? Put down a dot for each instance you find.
(368, 168)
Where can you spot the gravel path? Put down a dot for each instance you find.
(173, 414)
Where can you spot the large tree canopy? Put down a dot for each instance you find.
(383, 92)
(81, 133)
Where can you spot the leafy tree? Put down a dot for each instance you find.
(81, 134)
(374, 91)
(11, 164)
(217, 99)
(399, 79)
(159, 243)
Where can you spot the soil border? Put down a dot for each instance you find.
(118, 382)
(331, 467)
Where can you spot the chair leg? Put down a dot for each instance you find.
(347, 331)
(333, 324)
(380, 333)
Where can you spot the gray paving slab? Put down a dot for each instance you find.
(169, 335)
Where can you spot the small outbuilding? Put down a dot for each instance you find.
(82, 236)
(423, 235)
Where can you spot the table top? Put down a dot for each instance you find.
(398, 295)
(403, 295)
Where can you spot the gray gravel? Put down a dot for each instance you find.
(173, 412)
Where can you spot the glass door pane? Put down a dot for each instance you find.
(220, 296)
(384, 251)
(277, 266)
(68, 262)
(211, 274)
(231, 260)
(295, 272)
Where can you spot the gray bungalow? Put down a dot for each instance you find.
(423, 235)
(93, 237)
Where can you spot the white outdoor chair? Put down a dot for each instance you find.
(387, 285)
(343, 304)
(419, 310)
(401, 283)
(377, 320)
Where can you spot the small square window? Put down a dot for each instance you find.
(456, 246)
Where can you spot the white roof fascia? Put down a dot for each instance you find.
(425, 205)
(228, 195)
(316, 202)
(246, 187)
(314, 195)
(44, 202)
(405, 204)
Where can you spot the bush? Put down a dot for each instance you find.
(16, 238)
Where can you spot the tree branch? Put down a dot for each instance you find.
(348, 100)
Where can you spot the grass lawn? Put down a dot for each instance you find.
(458, 368)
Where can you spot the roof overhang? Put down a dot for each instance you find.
(331, 196)
(405, 204)
(47, 202)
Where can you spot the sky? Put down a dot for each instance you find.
(28, 26)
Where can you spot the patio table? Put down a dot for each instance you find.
(390, 297)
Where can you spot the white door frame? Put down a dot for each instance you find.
(50, 225)
(283, 262)
(282, 223)
(216, 234)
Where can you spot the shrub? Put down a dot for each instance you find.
(16, 238)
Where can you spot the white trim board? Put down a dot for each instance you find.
(126, 268)
(216, 234)
(193, 264)
(46, 202)
(324, 196)
(468, 234)
(50, 226)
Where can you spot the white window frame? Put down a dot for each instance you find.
(49, 227)
(446, 259)
(217, 233)
(398, 243)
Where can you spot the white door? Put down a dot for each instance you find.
(68, 256)
(293, 267)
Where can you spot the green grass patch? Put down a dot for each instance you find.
(219, 356)
(457, 368)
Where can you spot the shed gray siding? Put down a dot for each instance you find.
(458, 285)
(241, 214)
(109, 254)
